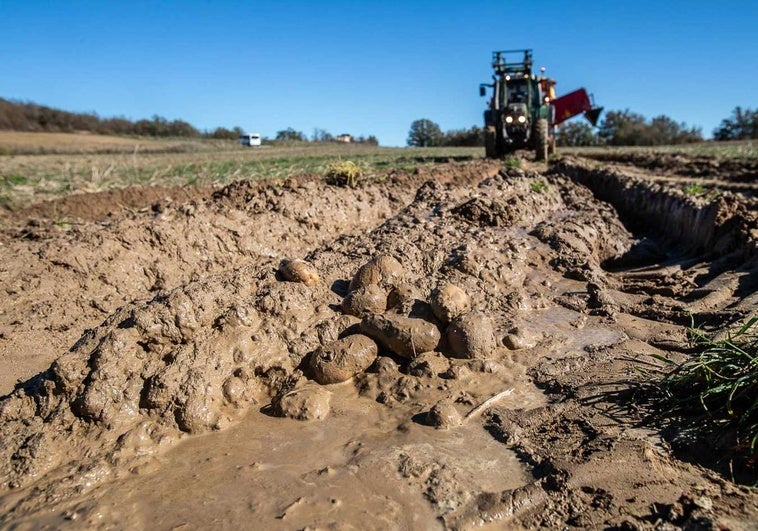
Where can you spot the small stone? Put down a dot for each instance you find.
(405, 336)
(382, 270)
(428, 364)
(234, 390)
(518, 338)
(367, 299)
(385, 365)
(449, 301)
(443, 416)
(402, 297)
(299, 271)
(456, 372)
(335, 326)
(342, 359)
(486, 366)
(305, 403)
(471, 336)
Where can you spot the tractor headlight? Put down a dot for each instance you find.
(509, 119)
(522, 119)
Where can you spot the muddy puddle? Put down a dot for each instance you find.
(364, 466)
(446, 354)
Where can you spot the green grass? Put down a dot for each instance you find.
(740, 149)
(695, 189)
(538, 186)
(719, 383)
(15, 179)
(512, 162)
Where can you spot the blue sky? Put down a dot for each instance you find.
(371, 67)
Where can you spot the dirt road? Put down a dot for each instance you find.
(483, 339)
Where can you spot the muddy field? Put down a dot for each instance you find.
(457, 346)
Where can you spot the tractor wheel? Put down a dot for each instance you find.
(490, 142)
(551, 145)
(541, 139)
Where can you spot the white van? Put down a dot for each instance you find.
(252, 139)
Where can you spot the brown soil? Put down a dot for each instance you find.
(168, 354)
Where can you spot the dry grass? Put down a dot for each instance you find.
(732, 149)
(101, 163)
(20, 143)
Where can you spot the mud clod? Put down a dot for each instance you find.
(448, 301)
(405, 336)
(443, 416)
(402, 297)
(429, 365)
(367, 299)
(471, 336)
(342, 359)
(518, 338)
(305, 403)
(382, 270)
(299, 271)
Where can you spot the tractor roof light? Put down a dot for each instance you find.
(507, 78)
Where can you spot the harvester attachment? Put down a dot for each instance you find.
(574, 103)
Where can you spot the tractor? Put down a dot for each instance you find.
(523, 111)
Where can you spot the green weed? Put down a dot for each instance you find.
(719, 383)
(538, 186)
(511, 162)
(694, 189)
(15, 179)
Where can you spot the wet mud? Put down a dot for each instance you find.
(421, 355)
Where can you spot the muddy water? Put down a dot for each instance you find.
(365, 467)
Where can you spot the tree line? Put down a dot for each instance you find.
(426, 133)
(617, 128)
(320, 135)
(32, 117)
(27, 116)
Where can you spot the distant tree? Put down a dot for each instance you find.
(424, 133)
(222, 133)
(181, 128)
(742, 125)
(664, 130)
(575, 134)
(626, 128)
(290, 134)
(321, 135)
(116, 126)
(12, 116)
(622, 128)
(463, 137)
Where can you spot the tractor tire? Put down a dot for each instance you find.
(541, 139)
(551, 145)
(490, 142)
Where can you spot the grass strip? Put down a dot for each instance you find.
(719, 383)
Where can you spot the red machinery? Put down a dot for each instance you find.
(574, 103)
